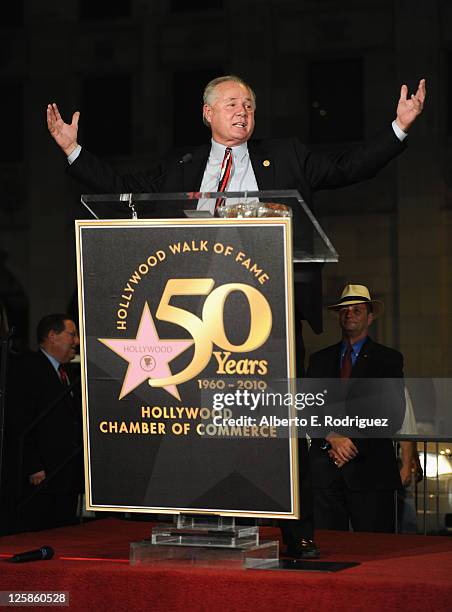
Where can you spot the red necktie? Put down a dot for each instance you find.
(347, 365)
(225, 175)
(63, 375)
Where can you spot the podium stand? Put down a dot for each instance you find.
(311, 244)
(178, 316)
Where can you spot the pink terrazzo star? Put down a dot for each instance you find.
(147, 354)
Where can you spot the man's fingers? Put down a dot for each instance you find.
(50, 114)
(350, 452)
(35, 480)
(419, 97)
(345, 454)
(344, 444)
(403, 92)
(350, 446)
(421, 91)
(75, 118)
(344, 457)
(417, 104)
(53, 117)
(338, 462)
(344, 448)
(56, 111)
(350, 449)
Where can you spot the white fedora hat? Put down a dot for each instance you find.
(358, 294)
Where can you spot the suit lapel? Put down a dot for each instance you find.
(334, 368)
(328, 366)
(52, 374)
(361, 367)
(194, 170)
(263, 166)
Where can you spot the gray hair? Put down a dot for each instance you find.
(209, 94)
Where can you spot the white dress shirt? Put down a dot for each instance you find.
(242, 173)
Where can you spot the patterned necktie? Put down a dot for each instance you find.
(225, 175)
(347, 365)
(63, 375)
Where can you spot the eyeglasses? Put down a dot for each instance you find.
(71, 333)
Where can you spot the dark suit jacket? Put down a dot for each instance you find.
(375, 466)
(59, 433)
(292, 166)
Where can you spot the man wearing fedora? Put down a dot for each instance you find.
(354, 476)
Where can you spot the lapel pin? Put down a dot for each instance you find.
(266, 163)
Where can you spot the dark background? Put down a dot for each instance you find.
(327, 71)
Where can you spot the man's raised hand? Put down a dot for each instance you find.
(64, 134)
(408, 109)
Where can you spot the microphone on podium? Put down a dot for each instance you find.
(185, 159)
(41, 554)
(127, 197)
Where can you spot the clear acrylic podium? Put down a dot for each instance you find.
(311, 244)
(215, 539)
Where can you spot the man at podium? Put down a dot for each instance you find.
(232, 161)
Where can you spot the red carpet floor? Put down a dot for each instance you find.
(91, 563)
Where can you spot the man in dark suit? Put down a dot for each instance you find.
(270, 164)
(53, 465)
(354, 478)
(228, 109)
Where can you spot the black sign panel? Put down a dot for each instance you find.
(169, 313)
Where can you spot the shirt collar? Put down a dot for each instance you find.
(53, 361)
(356, 346)
(239, 153)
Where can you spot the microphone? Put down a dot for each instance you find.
(183, 160)
(41, 554)
(186, 158)
(126, 197)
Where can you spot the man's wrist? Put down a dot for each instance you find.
(72, 156)
(400, 131)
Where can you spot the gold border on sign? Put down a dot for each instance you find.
(286, 225)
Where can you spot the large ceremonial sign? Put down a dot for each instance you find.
(181, 321)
